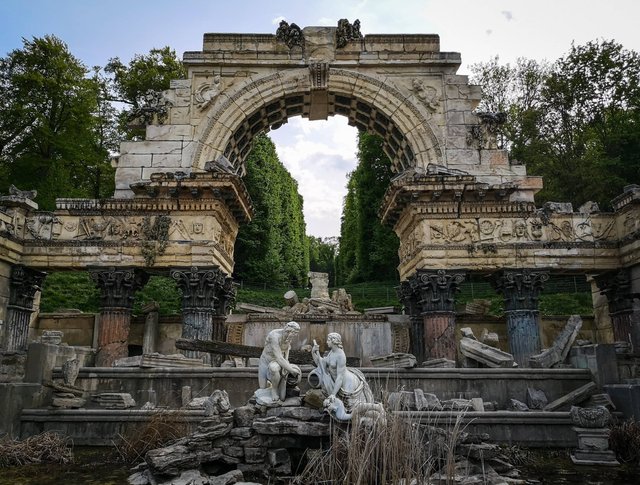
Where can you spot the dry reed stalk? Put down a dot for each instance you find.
(47, 447)
(163, 428)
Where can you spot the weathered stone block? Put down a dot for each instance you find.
(254, 455)
(536, 398)
(171, 460)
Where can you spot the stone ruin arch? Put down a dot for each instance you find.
(457, 204)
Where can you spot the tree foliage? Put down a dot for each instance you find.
(368, 250)
(131, 83)
(322, 256)
(52, 124)
(273, 247)
(575, 122)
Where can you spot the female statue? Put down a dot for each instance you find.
(332, 375)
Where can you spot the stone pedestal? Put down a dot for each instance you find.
(206, 296)
(521, 290)
(24, 284)
(117, 289)
(429, 297)
(593, 447)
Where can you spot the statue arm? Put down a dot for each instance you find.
(315, 354)
(281, 358)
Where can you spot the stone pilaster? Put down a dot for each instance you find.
(431, 298)
(117, 290)
(24, 283)
(207, 295)
(150, 335)
(617, 287)
(521, 289)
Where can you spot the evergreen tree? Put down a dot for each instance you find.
(273, 247)
(368, 250)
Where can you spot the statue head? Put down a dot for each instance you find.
(291, 329)
(335, 338)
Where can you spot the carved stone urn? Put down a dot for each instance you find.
(597, 417)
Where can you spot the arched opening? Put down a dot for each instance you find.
(268, 102)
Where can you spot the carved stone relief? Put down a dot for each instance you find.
(43, 226)
(207, 93)
(427, 95)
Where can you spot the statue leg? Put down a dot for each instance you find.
(276, 380)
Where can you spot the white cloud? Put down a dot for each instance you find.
(277, 20)
(319, 154)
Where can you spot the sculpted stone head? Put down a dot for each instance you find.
(334, 338)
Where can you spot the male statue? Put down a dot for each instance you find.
(274, 364)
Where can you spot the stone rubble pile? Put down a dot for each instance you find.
(267, 445)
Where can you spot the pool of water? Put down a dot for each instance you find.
(100, 467)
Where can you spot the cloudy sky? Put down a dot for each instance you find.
(319, 154)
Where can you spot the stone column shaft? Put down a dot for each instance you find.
(206, 296)
(618, 288)
(439, 335)
(430, 299)
(150, 335)
(521, 289)
(117, 290)
(523, 331)
(24, 283)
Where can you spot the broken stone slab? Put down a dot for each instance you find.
(456, 405)
(600, 400)
(489, 338)
(173, 360)
(489, 356)
(558, 207)
(380, 310)
(536, 398)
(468, 333)
(128, 361)
(277, 426)
(53, 337)
(426, 401)
(515, 405)
(441, 363)
(395, 360)
(250, 308)
(574, 397)
(115, 400)
(300, 413)
(402, 400)
(477, 307)
(68, 402)
(76, 391)
(478, 404)
(171, 460)
(557, 353)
